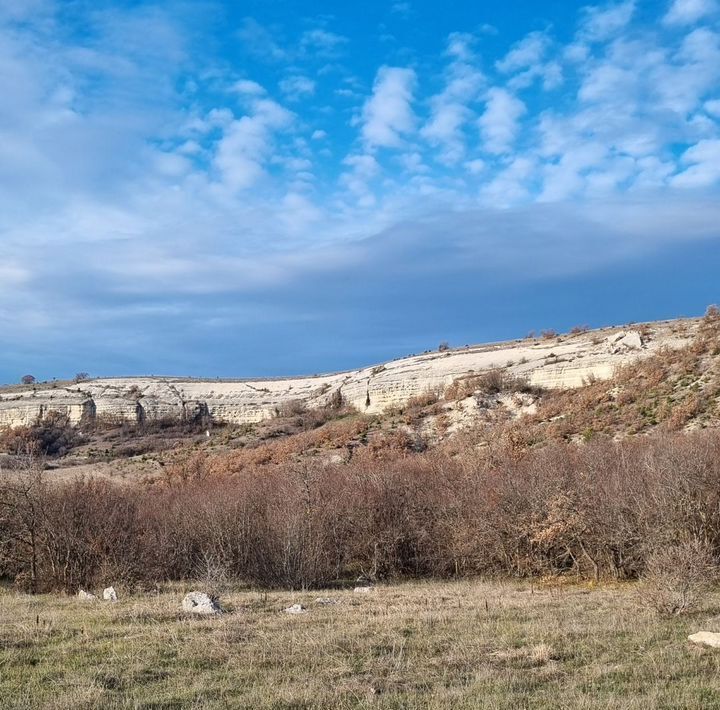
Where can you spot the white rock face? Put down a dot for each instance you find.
(296, 609)
(109, 594)
(563, 362)
(706, 638)
(82, 594)
(200, 603)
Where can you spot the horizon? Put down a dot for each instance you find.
(269, 191)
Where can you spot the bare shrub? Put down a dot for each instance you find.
(51, 436)
(677, 577)
(291, 408)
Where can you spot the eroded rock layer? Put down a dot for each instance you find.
(554, 362)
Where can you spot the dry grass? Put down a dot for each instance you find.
(459, 645)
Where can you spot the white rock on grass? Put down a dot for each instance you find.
(706, 638)
(109, 594)
(201, 603)
(365, 589)
(296, 609)
(82, 594)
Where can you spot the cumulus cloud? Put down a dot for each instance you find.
(499, 124)
(387, 115)
(246, 144)
(450, 109)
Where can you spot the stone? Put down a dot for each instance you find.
(109, 594)
(296, 609)
(706, 638)
(365, 589)
(201, 603)
(82, 594)
(626, 340)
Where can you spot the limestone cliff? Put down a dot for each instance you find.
(557, 362)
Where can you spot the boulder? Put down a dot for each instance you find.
(296, 609)
(201, 603)
(109, 594)
(706, 638)
(82, 594)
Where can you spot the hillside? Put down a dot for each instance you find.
(611, 382)
(552, 361)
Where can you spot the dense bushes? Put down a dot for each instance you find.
(596, 510)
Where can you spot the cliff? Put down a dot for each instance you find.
(554, 362)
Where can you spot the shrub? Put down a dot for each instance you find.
(678, 576)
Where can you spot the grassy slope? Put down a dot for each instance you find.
(460, 645)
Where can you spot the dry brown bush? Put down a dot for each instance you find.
(678, 576)
(593, 511)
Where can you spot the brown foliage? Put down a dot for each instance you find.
(594, 510)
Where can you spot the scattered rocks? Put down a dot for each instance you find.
(109, 594)
(296, 609)
(706, 638)
(82, 594)
(201, 603)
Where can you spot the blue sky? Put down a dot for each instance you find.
(259, 188)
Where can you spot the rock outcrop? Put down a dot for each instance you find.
(558, 362)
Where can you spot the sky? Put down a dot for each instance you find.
(274, 187)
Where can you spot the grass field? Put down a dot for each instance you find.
(421, 645)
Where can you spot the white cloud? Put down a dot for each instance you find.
(510, 185)
(450, 111)
(321, 43)
(246, 144)
(401, 8)
(687, 12)
(246, 86)
(603, 22)
(297, 87)
(475, 166)
(704, 170)
(388, 115)
(499, 124)
(713, 107)
(526, 53)
(527, 61)
(260, 42)
(318, 134)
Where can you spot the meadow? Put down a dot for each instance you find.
(459, 644)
